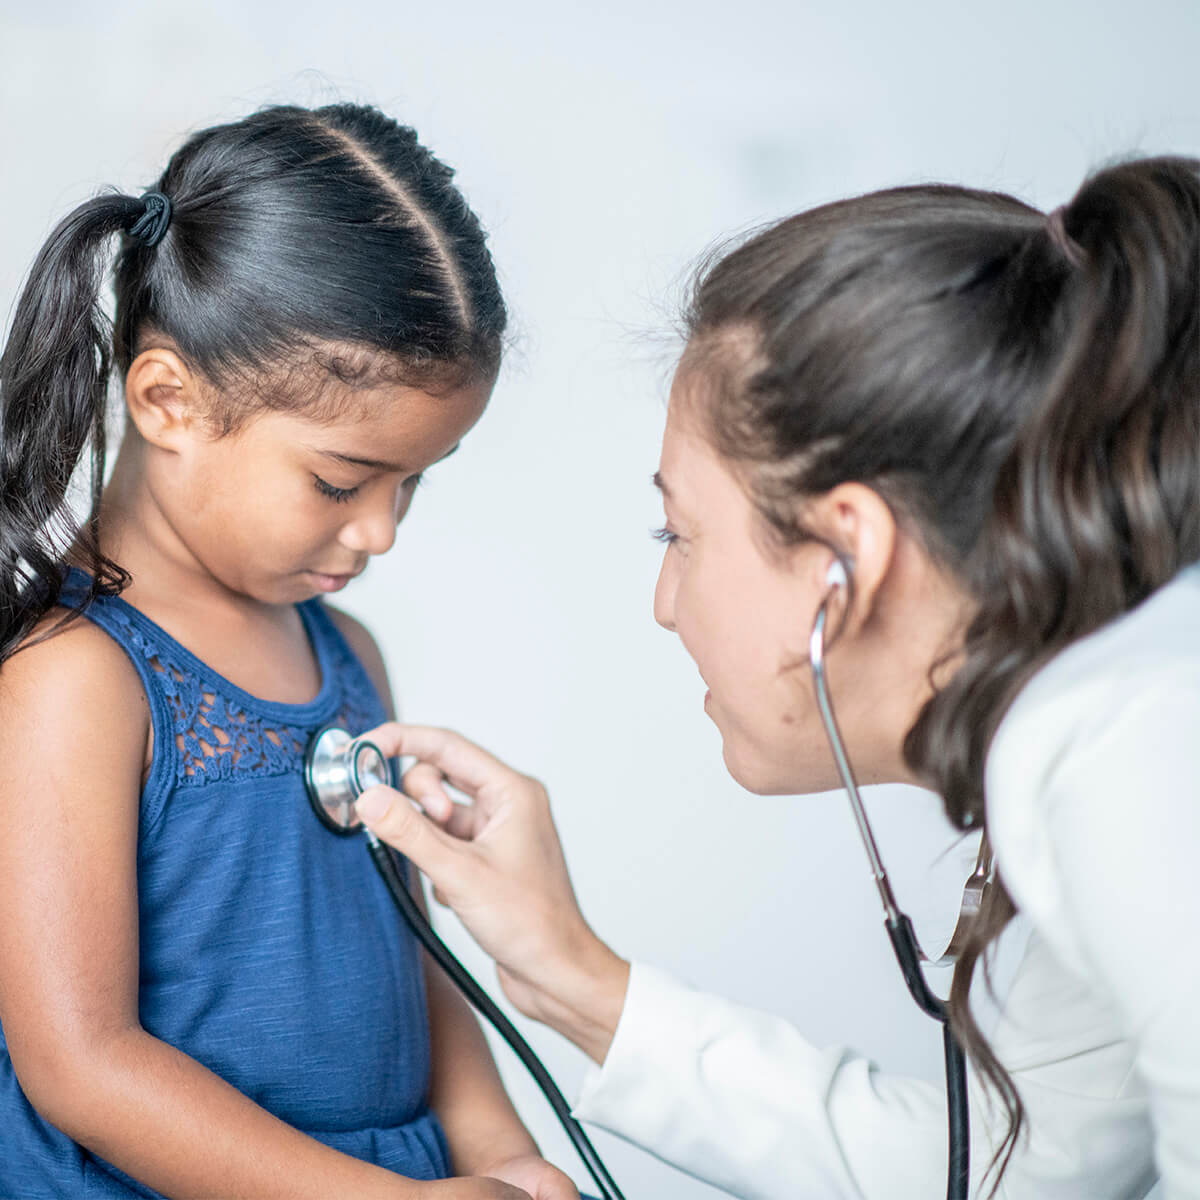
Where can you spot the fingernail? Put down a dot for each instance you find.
(433, 804)
(372, 804)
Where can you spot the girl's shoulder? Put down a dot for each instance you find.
(68, 694)
(364, 646)
(66, 655)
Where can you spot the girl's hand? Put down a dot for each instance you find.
(499, 865)
(535, 1175)
(469, 1189)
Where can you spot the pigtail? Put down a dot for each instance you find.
(54, 376)
(1097, 504)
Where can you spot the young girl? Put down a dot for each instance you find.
(203, 993)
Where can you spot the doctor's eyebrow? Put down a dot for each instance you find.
(660, 483)
(376, 464)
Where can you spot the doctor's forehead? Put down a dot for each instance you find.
(675, 465)
(682, 462)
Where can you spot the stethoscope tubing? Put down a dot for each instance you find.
(385, 863)
(899, 927)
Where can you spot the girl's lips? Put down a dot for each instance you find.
(330, 583)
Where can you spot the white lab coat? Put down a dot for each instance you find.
(1093, 793)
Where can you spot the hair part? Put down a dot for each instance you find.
(1023, 392)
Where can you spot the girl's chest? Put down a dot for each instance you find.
(271, 657)
(273, 663)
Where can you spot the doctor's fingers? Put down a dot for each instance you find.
(426, 785)
(467, 766)
(391, 817)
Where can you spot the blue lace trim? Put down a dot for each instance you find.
(219, 738)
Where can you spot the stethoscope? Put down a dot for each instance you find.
(899, 927)
(338, 768)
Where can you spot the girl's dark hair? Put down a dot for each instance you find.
(305, 247)
(1023, 391)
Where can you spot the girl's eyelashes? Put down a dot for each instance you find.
(340, 495)
(664, 535)
(337, 494)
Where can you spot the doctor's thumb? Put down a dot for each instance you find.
(391, 816)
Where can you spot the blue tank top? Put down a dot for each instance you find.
(270, 950)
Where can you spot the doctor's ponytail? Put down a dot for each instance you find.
(1022, 389)
(1097, 505)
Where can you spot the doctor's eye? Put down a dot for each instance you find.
(664, 535)
(337, 494)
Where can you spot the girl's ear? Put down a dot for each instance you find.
(163, 398)
(859, 522)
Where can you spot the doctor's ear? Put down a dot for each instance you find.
(164, 398)
(860, 523)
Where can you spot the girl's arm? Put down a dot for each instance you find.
(482, 1128)
(74, 727)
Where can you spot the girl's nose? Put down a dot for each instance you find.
(373, 530)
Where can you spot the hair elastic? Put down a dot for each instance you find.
(151, 226)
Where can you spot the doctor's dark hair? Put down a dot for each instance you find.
(1024, 393)
(305, 248)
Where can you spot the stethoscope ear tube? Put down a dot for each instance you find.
(899, 927)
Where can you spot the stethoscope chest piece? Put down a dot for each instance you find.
(337, 770)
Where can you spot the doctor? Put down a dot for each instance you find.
(991, 418)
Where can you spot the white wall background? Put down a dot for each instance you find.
(605, 146)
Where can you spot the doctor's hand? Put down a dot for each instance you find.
(498, 863)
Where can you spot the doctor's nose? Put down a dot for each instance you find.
(664, 597)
